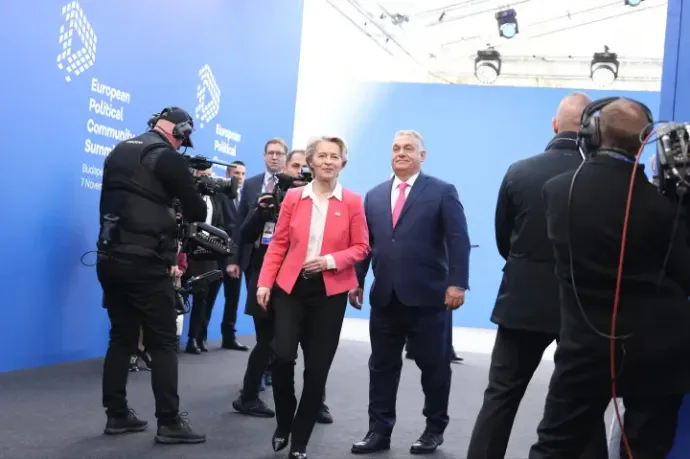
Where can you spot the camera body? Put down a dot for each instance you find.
(209, 186)
(284, 182)
(673, 159)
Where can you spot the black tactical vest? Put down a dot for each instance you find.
(146, 224)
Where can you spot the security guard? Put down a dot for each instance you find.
(137, 248)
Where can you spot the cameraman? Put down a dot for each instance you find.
(585, 213)
(252, 229)
(137, 249)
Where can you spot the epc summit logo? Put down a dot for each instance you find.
(85, 56)
(207, 110)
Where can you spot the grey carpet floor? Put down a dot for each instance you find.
(54, 412)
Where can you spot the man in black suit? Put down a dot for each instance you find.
(232, 284)
(527, 307)
(584, 222)
(204, 297)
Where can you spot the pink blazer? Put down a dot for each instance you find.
(346, 239)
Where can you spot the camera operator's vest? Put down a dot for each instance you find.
(146, 221)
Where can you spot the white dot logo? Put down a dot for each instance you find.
(206, 110)
(76, 63)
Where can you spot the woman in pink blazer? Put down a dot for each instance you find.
(309, 267)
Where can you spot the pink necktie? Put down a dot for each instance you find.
(399, 203)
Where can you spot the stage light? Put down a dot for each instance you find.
(487, 66)
(604, 68)
(507, 23)
(633, 2)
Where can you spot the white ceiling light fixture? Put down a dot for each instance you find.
(604, 68)
(487, 66)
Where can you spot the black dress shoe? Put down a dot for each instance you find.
(192, 347)
(371, 443)
(427, 443)
(279, 441)
(324, 416)
(203, 346)
(455, 359)
(233, 345)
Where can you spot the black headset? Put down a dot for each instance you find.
(181, 131)
(589, 135)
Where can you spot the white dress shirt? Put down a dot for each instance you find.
(209, 209)
(317, 225)
(395, 192)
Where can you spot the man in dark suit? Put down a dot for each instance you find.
(232, 284)
(204, 297)
(527, 307)
(420, 256)
(275, 152)
(585, 214)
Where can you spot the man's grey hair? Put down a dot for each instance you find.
(314, 144)
(412, 133)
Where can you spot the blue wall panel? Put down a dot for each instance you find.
(472, 134)
(154, 53)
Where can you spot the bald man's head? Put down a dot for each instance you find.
(621, 124)
(569, 112)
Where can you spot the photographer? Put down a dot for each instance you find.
(586, 210)
(137, 249)
(252, 229)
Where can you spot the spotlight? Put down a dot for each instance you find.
(604, 68)
(633, 2)
(487, 66)
(507, 23)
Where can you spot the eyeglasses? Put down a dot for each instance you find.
(279, 154)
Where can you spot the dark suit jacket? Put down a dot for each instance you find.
(654, 306)
(250, 192)
(428, 250)
(251, 230)
(528, 296)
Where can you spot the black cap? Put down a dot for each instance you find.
(184, 124)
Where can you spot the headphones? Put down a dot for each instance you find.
(181, 131)
(589, 135)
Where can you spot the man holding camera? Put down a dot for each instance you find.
(137, 248)
(586, 211)
(257, 226)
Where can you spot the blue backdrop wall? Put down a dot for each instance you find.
(472, 134)
(675, 105)
(79, 77)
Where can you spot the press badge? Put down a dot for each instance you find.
(267, 235)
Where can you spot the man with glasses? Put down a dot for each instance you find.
(275, 152)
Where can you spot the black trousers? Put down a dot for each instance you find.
(515, 358)
(259, 357)
(649, 424)
(203, 301)
(310, 318)
(426, 330)
(139, 296)
(231, 290)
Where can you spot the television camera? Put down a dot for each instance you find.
(673, 159)
(283, 183)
